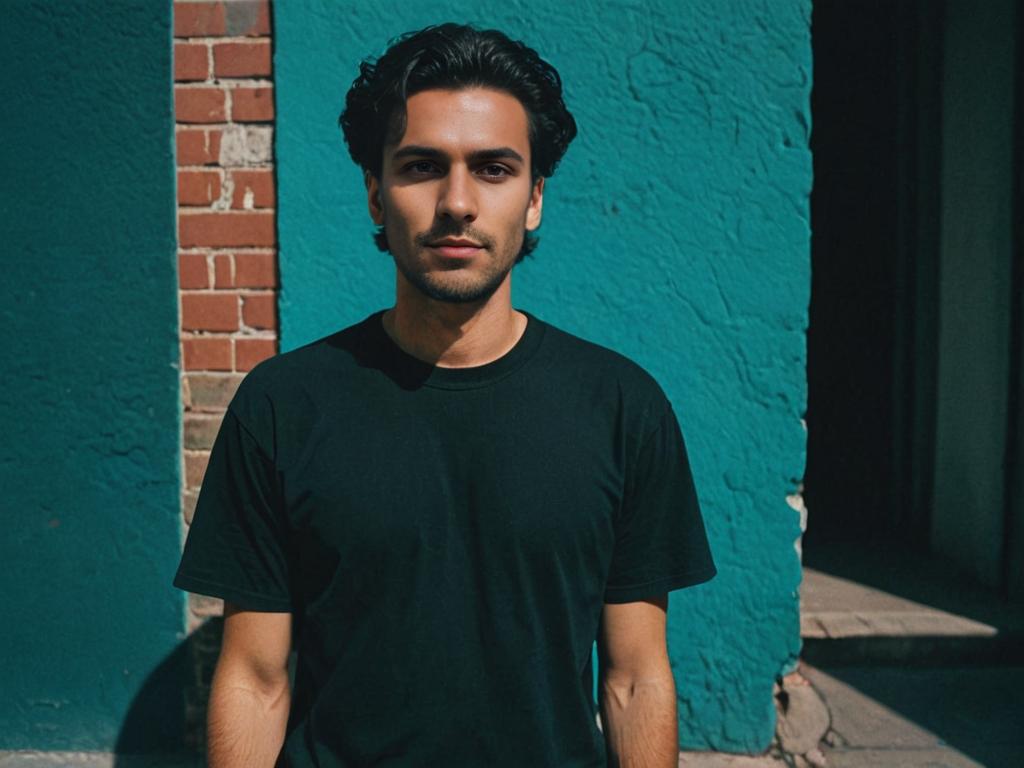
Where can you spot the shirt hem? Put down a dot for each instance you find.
(634, 592)
(241, 598)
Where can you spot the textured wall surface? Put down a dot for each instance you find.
(676, 231)
(89, 462)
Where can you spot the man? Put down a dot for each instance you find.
(442, 507)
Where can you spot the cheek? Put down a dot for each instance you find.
(395, 223)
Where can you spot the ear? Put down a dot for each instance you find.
(373, 198)
(533, 213)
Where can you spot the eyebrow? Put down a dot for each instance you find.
(498, 153)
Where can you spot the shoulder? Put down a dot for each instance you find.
(606, 378)
(288, 384)
(578, 356)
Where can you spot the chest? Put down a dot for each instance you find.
(448, 480)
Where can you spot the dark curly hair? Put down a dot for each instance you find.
(454, 56)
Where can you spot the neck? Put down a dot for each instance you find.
(454, 335)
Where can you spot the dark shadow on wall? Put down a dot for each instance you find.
(165, 724)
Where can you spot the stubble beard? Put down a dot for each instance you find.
(454, 286)
(448, 288)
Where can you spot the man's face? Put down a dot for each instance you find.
(455, 195)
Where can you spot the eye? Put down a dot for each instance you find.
(494, 171)
(420, 168)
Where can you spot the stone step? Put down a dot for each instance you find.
(846, 621)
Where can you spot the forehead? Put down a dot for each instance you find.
(466, 119)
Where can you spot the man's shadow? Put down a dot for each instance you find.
(165, 726)
(165, 723)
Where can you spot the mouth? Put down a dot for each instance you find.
(456, 248)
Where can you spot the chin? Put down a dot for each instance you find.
(459, 294)
(454, 291)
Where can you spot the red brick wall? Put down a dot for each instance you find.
(227, 258)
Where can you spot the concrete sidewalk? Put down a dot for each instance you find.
(891, 717)
(911, 665)
(946, 717)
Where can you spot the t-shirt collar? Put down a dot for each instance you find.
(415, 372)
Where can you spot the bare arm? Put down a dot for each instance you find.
(637, 692)
(250, 695)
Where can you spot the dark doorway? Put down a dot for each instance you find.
(870, 343)
(914, 335)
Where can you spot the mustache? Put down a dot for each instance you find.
(448, 228)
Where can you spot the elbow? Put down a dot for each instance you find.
(260, 683)
(619, 688)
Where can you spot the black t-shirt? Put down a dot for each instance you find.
(445, 539)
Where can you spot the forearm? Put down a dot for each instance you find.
(639, 720)
(246, 722)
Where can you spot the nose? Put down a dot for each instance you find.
(457, 198)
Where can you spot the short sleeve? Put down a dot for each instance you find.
(237, 543)
(660, 541)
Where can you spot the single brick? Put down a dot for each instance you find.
(224, 270)
(198, 187)
(256, 270)
(199, 19)
(209, 311)
(206, 353)
(191, 61)
(260, 311)
(201, 430)
(253, 189)
(249, 352)
(195, 467)
(193, 271)
(227, 229)
(210, 391)
(249, 59)
(248, 18)
(252, 105)
(200, 105)
(198, 146)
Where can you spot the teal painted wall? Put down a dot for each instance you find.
(89, 462)
(676, 231)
